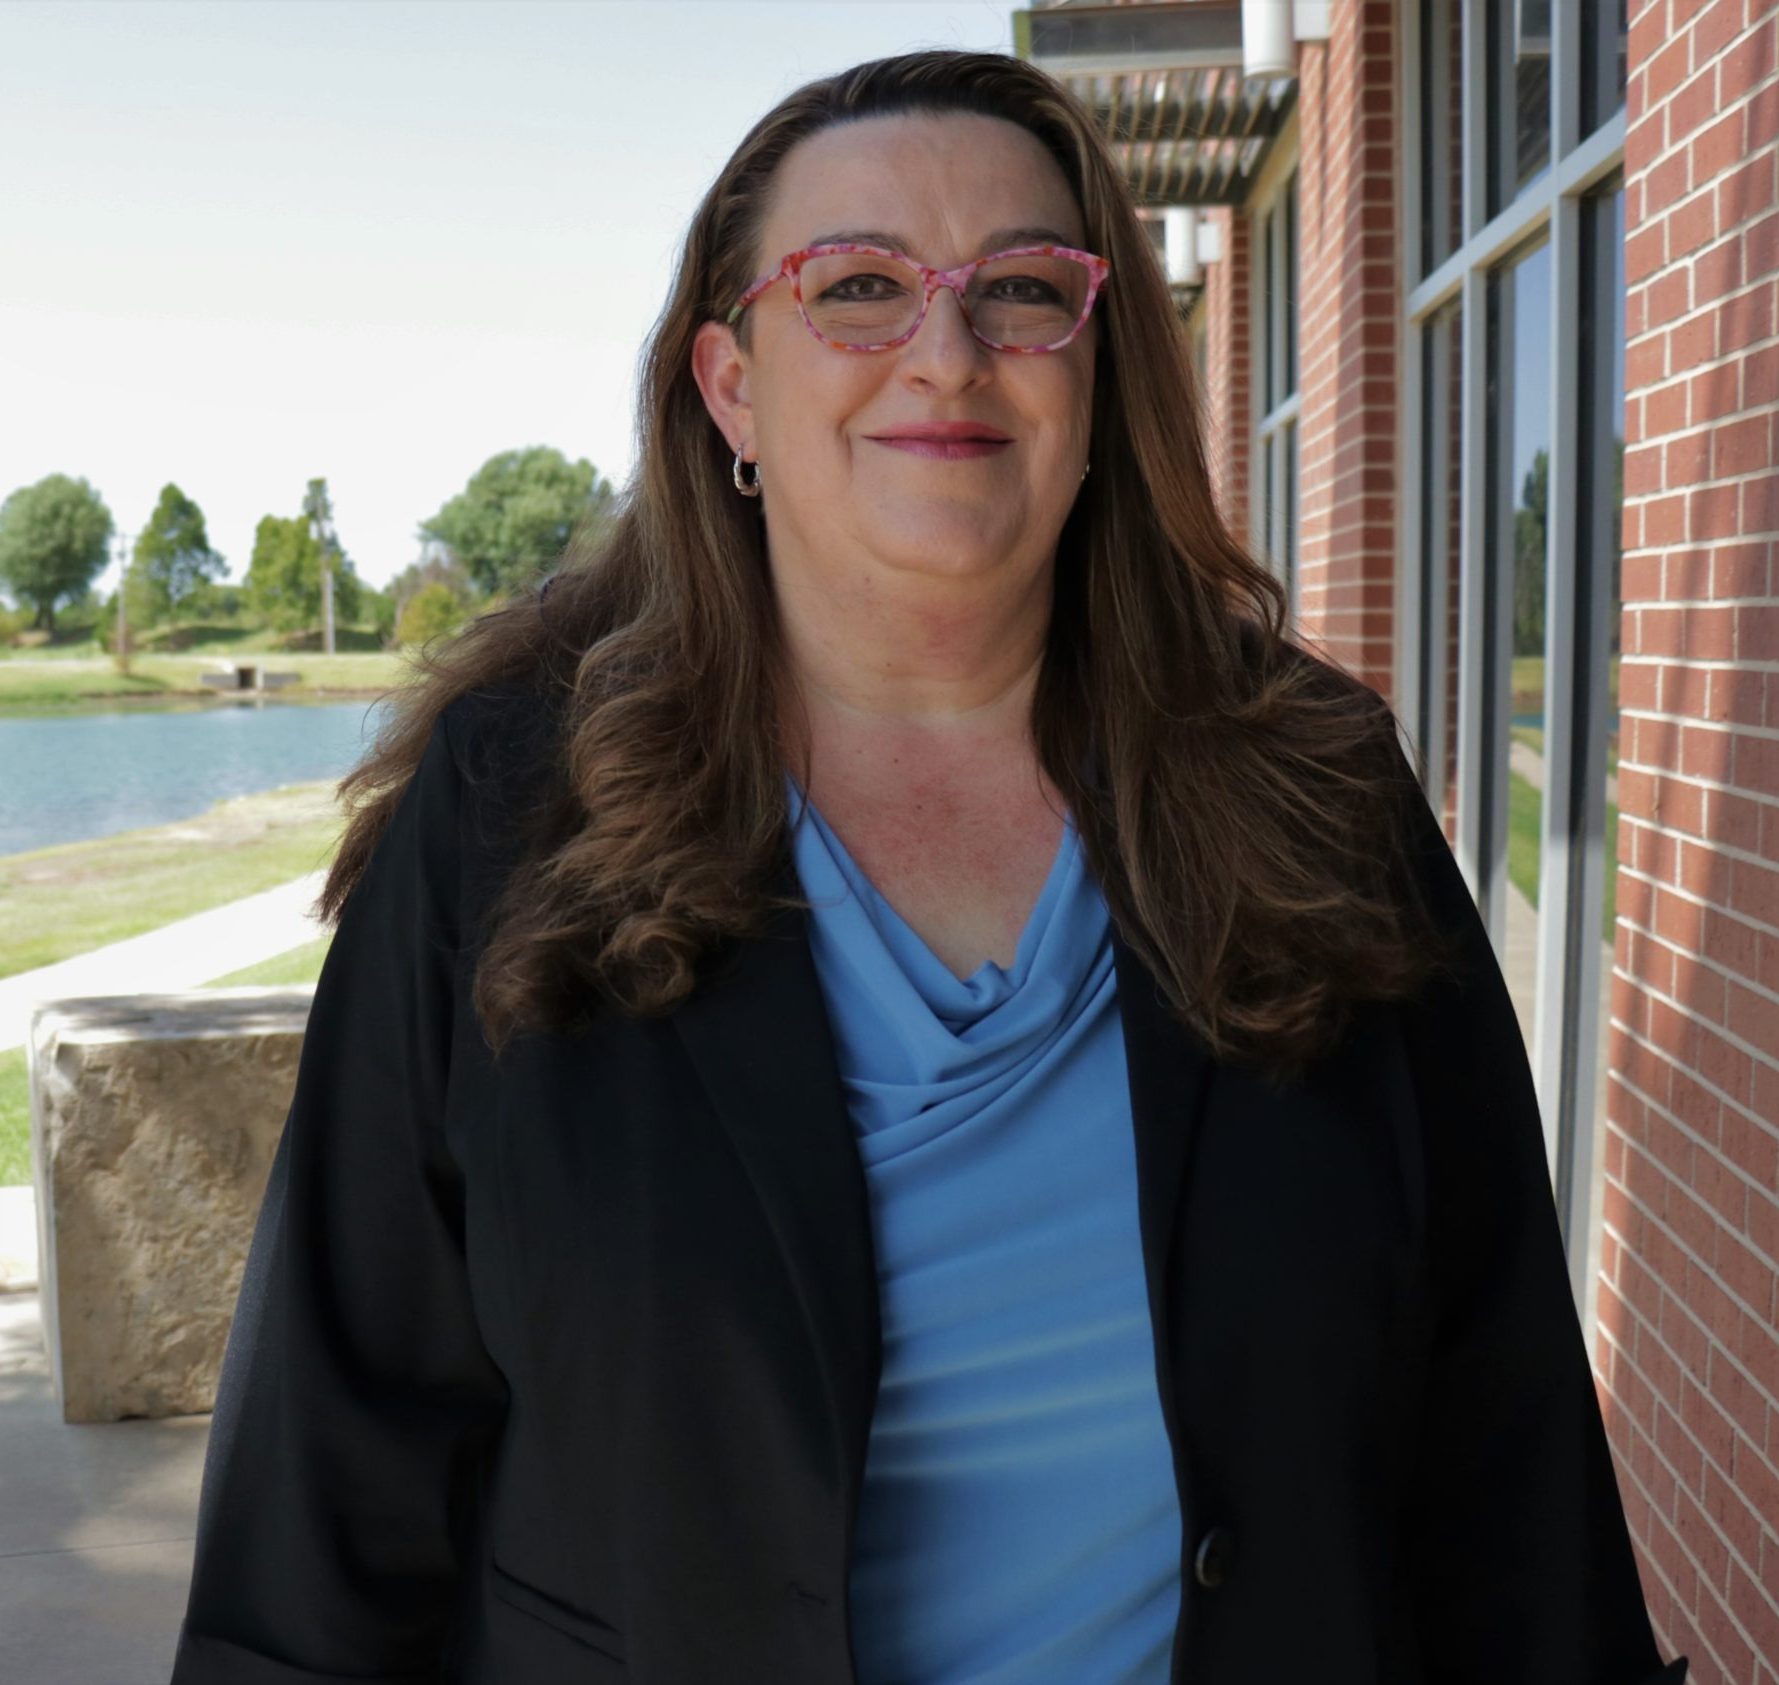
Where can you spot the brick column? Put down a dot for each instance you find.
(1228, 411)
(1688, 1356)
(1351, 321)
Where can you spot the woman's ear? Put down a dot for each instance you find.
(719, 365)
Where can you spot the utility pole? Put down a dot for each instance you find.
(327, 597)
(324, 536)
(123, 595)
(121, 647)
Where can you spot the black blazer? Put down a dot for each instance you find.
(563, 1373)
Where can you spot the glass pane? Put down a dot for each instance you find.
(1269, 519)
(1603, 26)
(1290, 515)
(1442, 411)
(1442, 114)
(1519, 360)
(1269, 386)
(1519, 96)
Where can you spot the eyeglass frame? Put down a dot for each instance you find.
(791, 265)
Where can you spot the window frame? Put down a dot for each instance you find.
(1565, 1052)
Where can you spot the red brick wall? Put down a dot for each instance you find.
(1228, 413)
(1688, 1355)
(1351, 320)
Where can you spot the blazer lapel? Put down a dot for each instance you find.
(1170, 1072)
(758, 1034)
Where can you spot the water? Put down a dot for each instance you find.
(69, 778)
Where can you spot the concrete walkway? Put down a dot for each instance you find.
(96, 1530)
(183, 955)
(1529, 764)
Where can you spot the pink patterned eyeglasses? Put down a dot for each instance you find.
(868, 298)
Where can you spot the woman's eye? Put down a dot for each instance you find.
(857, 286)
(1027, 289)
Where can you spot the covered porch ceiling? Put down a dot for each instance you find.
(1164, 81)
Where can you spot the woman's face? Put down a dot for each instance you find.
(944, 189)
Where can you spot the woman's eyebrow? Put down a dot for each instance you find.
(999, 240)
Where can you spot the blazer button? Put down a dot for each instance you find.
(1215, 1557)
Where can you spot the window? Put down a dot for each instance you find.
(1518, 96)
(1276, 405)
(1515, 392)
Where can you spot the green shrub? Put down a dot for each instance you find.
(433, 611)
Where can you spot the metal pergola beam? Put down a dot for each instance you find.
(1164, 84)
(1116, 40)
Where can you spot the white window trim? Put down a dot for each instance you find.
(1271, 429)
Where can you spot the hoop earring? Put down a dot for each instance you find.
(1084, 473)
(747, 488)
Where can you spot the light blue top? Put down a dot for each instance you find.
(1019, 1523)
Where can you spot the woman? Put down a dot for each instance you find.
(905, 1091)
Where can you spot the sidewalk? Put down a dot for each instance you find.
(96, 1531)
(182, 955)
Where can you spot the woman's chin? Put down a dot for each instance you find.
(942, 536)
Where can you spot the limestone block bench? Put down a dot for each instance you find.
(154, 1119)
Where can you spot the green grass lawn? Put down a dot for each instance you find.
(36, 682)
(217, 638)
(15, 1121)
(300, 965)
(1523, 806)
(1528, 679)
(68, 899)
(1533, 739)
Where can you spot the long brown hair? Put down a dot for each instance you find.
(1240, 800)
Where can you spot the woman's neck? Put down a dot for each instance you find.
(874, 646)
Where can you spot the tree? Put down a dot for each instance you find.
(436, 567)
(433, 611)
(55, 539)
(318, 511)
(174, 553)
(510, 525)
(1529, 529)
(284, 577)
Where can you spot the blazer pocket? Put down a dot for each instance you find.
(579, 1624)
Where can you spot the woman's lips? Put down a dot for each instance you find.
(947, 448)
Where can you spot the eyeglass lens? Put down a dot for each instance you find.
(857, 298)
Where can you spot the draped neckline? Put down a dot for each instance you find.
(996, 1006)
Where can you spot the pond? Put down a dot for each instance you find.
(68, 778)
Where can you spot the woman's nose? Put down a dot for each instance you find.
(946, 330)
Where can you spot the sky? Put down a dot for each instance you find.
(245, 243)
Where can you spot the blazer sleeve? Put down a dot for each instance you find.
(356, 1398)
(1517, 1544)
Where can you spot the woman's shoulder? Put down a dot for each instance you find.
(504, 735)
(503, 745)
